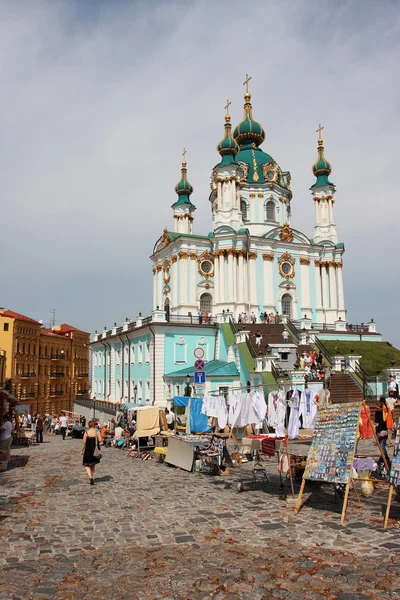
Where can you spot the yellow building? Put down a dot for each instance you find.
(48, 368)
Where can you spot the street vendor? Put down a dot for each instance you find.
(103, 433)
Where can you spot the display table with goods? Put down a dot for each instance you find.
(181, 450)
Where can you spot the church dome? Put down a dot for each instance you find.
(183, 187)
(321, 165)
(249, 130)
(228, 145)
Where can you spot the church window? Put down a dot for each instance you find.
(147, 351)
(205, 303)
(243, 209)
(140, 353)
(287, 268)
(180, 351)
(270, 209)
(287, 305)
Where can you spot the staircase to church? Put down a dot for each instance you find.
(343, 388)
(271, 334)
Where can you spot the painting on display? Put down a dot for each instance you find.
(332, 450)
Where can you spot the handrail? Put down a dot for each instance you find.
(292, 329)
(324, 350)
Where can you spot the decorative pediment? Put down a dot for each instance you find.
(286, 234)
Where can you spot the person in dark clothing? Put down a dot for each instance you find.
(91, 440)
(39, 429)
(381, 415)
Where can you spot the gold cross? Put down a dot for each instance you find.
(227, 106)
(320, 128)
(184, 154)
(246, 83)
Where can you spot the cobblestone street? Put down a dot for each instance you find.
(149, 531)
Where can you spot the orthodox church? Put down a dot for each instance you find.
(253, 260)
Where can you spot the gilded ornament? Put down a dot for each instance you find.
(159, 268)
(304, 261)
(252, 195)
(231, 252)
(268, 257)
(260, 195)
(207, 286)
(287, 286)
(255, 174)
(166, 264)
(245, 168)
(270, 172)
(183, 255)
(165, 238)
(286, 266)
(339, 265)
(252, 255)
(286, 234)
(174, 258)
(154, 270)
(193, 255)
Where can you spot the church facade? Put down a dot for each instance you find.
(253, 261)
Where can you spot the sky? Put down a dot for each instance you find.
(100, 97)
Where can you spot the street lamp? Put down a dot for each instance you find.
(188, 389)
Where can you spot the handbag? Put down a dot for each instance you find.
(96, 452)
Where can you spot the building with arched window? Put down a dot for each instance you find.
(253, 260)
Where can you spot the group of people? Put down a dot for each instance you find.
(264, 318)
(43, 424)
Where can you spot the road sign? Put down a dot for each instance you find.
(199, 364)
(198, 353)
(200, 389)
(199, 377)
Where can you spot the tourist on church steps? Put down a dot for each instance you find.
(90, 442)
(258, 338)
(285, 336)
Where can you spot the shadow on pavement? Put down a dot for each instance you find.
(104, 478)
(17, 461)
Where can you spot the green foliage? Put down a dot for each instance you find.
(376, 356)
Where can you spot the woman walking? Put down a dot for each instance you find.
(90, 446)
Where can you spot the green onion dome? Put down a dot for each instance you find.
(321, 168)
(183, 188)
(249, 130)
(228, 145)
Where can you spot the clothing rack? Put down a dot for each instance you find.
(238, 389)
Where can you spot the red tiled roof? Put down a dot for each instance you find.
(65, 328)
(14, 315)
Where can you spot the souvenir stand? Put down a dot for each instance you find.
(181, 449)
(333, 451)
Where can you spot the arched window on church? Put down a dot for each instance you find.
(287, 305)
(270, 209)
(243, 209)
(205, 303)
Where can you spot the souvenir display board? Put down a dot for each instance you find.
(331, 454)
(395, 466)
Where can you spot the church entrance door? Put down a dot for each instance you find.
(287, 305)
(205, 303)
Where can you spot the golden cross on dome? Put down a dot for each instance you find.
(227, 106)
(320, 128)
(184, 154)
(246, 83)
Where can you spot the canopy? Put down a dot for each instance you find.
(198, 422)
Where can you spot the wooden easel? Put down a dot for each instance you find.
(352, 482)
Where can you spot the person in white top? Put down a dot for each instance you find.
(118, 433)
(285, 336)
(6, 435)
(63, 425)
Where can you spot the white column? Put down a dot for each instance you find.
(154, 288)
(340, 286)
(230, 276)
(253, 280)
(316, 204)
(332, 285)
(222, 277)
(216, 279)
(305, 282)
(268, 281)
(174, 285)
(234, 275)
(183, 277)
(325, 294)
(158, 287)
(240, 279)
(318, 283)
(193, 263)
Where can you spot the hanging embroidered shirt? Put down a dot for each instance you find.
(280, 414)
(272, 407)
(308, 408)
(294, 419)
(215, 406)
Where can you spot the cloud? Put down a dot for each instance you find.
(98, 100)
